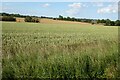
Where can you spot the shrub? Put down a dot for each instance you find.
(117, 22)
(36, 20)
(7, 18)
(30, 19)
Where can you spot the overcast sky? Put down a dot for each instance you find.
(97, 10)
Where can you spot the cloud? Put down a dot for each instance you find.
(108, 9)
(75, 5)
(6, 8)
(73, 12)
(74, 9)
(46, 5)
(98, 4)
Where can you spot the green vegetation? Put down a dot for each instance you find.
(32, 50)
(105, 22)
(30, 19)
(7, 18)
(16, 15)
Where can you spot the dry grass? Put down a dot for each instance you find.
(20, 20)
(50, 21)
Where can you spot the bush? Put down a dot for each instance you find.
(108, 22)
(36, 20)
(7, 18)
(92, 23)
(30, 19)
(117, 22)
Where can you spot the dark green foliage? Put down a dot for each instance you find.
(117, 22)
(108, 22)
(103, 21)
(92, 23)
(17, 15)
(69, 19)
(7, 18)
(37, 20)
(112, 23)
(30, 19)
(60, 17)
(73, 19)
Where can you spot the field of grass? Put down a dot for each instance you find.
(39, 50)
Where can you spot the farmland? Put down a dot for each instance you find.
(59, 50)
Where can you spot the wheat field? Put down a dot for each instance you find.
(45, 50)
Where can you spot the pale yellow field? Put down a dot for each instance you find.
(51, 21)
(60, 21)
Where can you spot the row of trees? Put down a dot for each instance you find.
(105, 22)
(73, 19)
(17, 15)
(27, 19)
(11, 17)
(108, 22)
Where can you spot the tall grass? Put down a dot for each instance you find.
(59, 51)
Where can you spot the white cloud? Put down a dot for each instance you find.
(98, 4)
(108, 9)
(5, 8)
(85, 5)
(75, 5)
(46, 5)
(74, 9)
(73, 12)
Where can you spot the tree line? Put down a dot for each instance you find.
(17, 15)
(12, 17)
(106, 22)
(28, 18)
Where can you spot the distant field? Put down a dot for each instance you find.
(51, 21)
(58, 50)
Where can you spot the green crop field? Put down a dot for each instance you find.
(40, 50)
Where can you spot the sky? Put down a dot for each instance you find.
(92, 10)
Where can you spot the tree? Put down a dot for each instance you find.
(108, 22)
(117, 23)
(73, 19)
(93, 22)
(68, 18)
(37, 20)
(5, 14)
(103, 21)
(98, 21)
(60, 17)
(28, 19)
(112, 23)
(8, 18)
